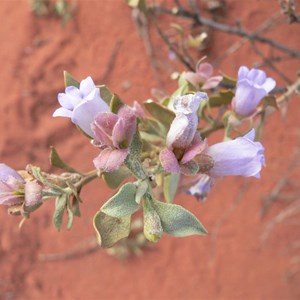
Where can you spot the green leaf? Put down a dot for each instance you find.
(110, 229)
(114, 179)
(142, 188)
(122, 203)
(56, 161)
(105, 93)
(152, 225)
(115, 103)
(69, 80)
(75, 206)
(70, 218)
(171, 182)
(223, 98)
(228, 81)
(132, 160)
(60, 205)
(160, 113)
(177, 221)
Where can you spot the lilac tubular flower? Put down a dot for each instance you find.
(81, 105)
(252, 87)
(202, 187)
(183, 140)
(113, 134)
(14, 190)
(241, 156)
(11, 186)
(203, 74)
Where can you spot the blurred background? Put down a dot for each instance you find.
(253, 247)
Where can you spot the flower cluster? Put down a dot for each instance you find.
(163, 149)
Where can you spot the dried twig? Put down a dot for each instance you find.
(290, 211)
(111, 62)
(235, 30)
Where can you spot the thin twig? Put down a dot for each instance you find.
(84, 248)
(270, 64)
(265, 26)
(290, 211)
(111, 62)
(170, 45)
(235, 30)
(142, 26)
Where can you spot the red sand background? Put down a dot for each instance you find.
(230, 263)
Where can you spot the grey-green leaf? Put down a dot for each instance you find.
(115, 178)
(123, 203)
(60, 205)
(152, 225)
(160, 113)
(110, 229)
(177, 221)
(132, 160)
(141, 190)
(171, 182)
(105, 93)
(70, 80)
(56, 161)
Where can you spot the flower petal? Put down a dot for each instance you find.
(202, 187)
(85, 114)
(110, 159)
(242, 73)
(196, 147)
(7, 172)
(269, 85)
(169, 161)
(62, 112)
(87, 86)
(237, 157)
(212, 82)
(193, 78)
(205, 70)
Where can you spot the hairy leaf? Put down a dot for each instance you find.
(132, 160)
(170, 186)
(56, 161)
(178, 221)
(60, 205)
(114, 179)
(110, 229)
(122, 203)
(152, 224)
(160, 113)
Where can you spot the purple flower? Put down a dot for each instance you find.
(252, 87)
(13, 188)
(202, 187)
(113, 134)
(81, 105)
(241, 156)
(203, 75)
(183, 140)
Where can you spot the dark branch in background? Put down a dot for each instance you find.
(181, 57)
(270, 64)
(235, 30)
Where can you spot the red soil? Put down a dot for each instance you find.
(230, 263)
